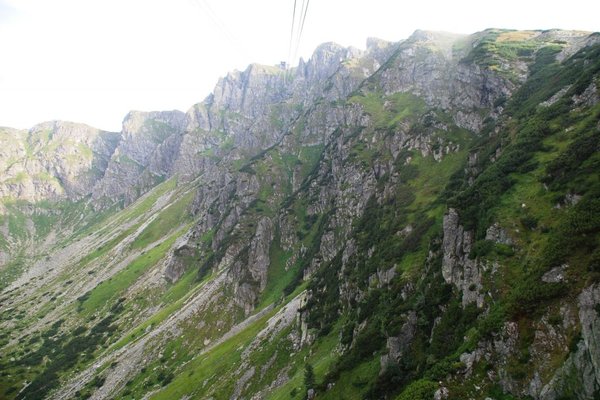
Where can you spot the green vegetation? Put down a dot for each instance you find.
(176, 296)
(516, 177)
(11, 271)
(387, 112)
(501, 44)
(279, 275)
(102, 294)
(419, 390)
(210, 367)
(172, 217)
(499, 50)
(59, 352)
(357, 243)
(145, 203)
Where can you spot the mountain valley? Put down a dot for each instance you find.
(417, 220)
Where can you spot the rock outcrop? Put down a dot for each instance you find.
(148, 147)
(329, 196)
(457, 268)
(579, 376)
(53, 161)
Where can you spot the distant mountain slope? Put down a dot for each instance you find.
(418, 220)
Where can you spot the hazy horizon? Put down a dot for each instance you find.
(94, 62)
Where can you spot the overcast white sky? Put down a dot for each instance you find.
(94, 60)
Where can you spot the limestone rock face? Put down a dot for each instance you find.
(68, 161)
(145, 155)
(175, 265)
(278, 168)
(457, 267)
(258, 257)
(251, 110)
(428, 65)
(398, 345)
(53, 160)
(497, 234)
(590, 329)
(255, 109)
(580, 373)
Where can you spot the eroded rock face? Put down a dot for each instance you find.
(457, 267)
(580, 374)
(178, 259)
(427, 65)
(265, 108)
(248, 112)
(398, 345)
(53, 161)
(258, 255)
(497, 234)
(250, 265)
(148, 147)
(590, 97)
(590, 328)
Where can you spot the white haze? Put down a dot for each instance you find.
(93, 60)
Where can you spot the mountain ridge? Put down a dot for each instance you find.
(395, 221)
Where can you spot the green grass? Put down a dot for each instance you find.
(433, 176)
(11, 271)
(170, 218)
(387, 112)
(277, 276)
(212, 373)
(199, 376)
(497, 46)
(103, 249)
(174, 298)
(108, 291)
(322, 357)
(17, 224)
(48, 216)
(145, 203)
(182, 287)
(309, 156)
(102, 223)
(274, 355)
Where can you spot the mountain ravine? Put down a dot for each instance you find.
(418, 220)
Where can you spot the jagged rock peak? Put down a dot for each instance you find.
(137, 121)
(259, 69)
(374, 43)
(254, 69)
(325, 60)
(433, 36)
(65, 129)
(246, 92)
(332, 49)
(330, 53)
(441, 42)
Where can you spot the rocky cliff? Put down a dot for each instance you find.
(416, 220)
(54, 160)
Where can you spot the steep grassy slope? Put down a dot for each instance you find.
(412, 233)
(94, 267)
